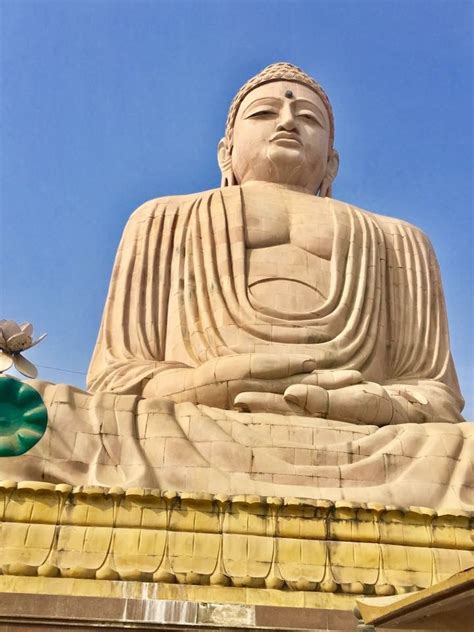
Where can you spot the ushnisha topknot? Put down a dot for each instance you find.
(281, 71)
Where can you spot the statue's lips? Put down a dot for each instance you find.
(285, 136)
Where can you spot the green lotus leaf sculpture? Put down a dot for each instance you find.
(23, 416)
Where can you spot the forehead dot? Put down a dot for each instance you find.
(289, 94)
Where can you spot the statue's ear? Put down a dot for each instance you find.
(224, 159)
(331, 172)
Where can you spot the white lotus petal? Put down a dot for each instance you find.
(35, 342)
(19, 342)
(9, 328)
(5, 361)
(27, 328)
(24, 366)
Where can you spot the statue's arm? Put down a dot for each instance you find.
(130, 349)
(420, 383)
(420, 374)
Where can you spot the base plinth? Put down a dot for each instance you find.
(142, 558)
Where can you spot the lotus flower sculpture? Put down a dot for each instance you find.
(14, 339)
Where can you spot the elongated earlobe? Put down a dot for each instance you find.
(325, 190)
(224, 159)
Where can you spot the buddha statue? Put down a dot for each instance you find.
(268, 296)
(266, 338)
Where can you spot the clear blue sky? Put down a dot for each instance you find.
(105, 104)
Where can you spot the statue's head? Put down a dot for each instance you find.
(280, 128)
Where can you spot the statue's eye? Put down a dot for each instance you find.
(261, 113)
(308, 117)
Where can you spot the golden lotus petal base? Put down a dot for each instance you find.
(283, 546)
(94, 556)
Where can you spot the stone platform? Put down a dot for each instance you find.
(90, 604)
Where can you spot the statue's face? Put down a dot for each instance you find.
(281, 134)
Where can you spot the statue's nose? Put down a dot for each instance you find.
(286, 121)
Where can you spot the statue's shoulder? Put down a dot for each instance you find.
(389, 225)
(167, 204)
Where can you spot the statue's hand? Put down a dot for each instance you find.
(219, 381)
(363, 403)
(307, 396)
(341, 395)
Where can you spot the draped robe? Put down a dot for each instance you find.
(179, 296)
